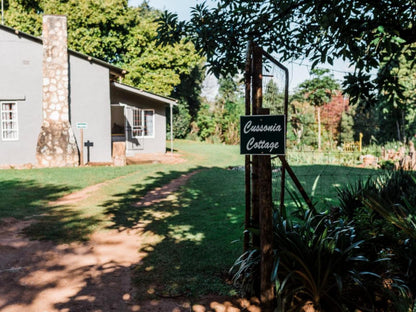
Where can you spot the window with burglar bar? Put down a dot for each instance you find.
(9, 125)
(143, 123)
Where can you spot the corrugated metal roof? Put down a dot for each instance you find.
(151, 95)
(114, 70)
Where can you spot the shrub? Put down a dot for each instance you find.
(383, 213)
(317, 261)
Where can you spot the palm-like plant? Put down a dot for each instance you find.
(383, 213)
(318, 261)
(350, 197)
(363, 263)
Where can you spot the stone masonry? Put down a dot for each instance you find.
(56, 145)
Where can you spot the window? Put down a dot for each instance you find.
(9, 126)
(143, 122)
(137, 123)
(148, 122)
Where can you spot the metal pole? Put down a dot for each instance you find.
(283, 168)
(171, 129)
(2, 13)
(286, 103)
(297, 183)
(247, 167)
(256, 98)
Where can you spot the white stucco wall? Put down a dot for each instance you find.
(90, 102)
(21, 82)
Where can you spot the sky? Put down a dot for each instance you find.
(298, 70)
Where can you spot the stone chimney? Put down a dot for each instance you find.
(56, 142)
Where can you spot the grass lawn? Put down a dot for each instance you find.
(191, 241)
(321, 182)
(194, 239)
(25, 193)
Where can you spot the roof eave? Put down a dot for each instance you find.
(134, 90)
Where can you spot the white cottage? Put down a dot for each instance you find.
(49, 95)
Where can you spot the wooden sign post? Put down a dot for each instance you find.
(263, 135)
(262, 203)
(81, 126)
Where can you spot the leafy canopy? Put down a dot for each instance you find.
(319, 89)
(364, 32)
(116, 33)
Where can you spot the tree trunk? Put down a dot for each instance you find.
(403, 127)
(398, 131)
(318, 113)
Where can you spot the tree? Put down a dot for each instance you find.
(392, 116)
(220, 121)
(154, 68)
(228, 108)
(318, 91)
(331, 114)
(364, 32)
(346, 133)
(188, 93)
(116, 33)
(301, 121)
(273, 98)
(96, 28)
(399, 106)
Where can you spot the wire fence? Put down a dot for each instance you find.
(321, 174)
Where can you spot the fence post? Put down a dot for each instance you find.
(247, 164)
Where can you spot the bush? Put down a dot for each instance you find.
(382, 211)
(318, 262)
(181, 122)
(360, 256)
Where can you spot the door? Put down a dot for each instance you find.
(134, 128)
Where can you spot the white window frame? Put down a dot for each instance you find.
(141, 128)
(2, 121)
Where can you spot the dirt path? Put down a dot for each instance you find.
(38, 276)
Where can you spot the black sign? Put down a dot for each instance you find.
(262, 135)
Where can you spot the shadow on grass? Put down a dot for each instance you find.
(62, 225)
(121, 210)
(29, 200)
(20, 199)
(188, 239)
